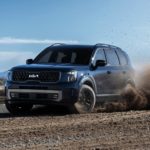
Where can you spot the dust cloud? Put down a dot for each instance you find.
(132, 98)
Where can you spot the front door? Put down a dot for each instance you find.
(100, 73)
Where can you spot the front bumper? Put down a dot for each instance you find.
(63, 93)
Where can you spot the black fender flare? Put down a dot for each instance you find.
(88, 80)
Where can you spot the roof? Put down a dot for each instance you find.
(62, 45)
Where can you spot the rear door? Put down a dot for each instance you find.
(114, 72)
(126, 69)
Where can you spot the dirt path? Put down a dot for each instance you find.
(127, 130)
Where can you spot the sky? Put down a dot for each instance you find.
(28, 26)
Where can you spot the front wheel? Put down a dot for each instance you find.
(18, 108)
(86, 100)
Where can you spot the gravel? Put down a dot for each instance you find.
(41, 129)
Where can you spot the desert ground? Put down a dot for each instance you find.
(115, 126)
(54, 128)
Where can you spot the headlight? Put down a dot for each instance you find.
(71, 76)
(9, 76)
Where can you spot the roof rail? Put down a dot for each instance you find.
(101, 44)
(55, 44)
(105, 45)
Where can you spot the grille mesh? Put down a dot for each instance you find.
(41, 76)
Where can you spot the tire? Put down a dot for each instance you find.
(18, 108)
(86, 100)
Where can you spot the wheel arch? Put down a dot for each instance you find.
(88, 81)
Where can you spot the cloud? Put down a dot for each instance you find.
(10, 40)
(10, 59)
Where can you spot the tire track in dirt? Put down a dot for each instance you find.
(103, 131)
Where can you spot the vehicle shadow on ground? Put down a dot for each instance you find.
(38, 111)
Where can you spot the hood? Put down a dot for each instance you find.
(60, 67)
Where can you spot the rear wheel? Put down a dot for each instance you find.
(86, 100)
(18, 108)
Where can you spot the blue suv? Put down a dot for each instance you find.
(77, 76)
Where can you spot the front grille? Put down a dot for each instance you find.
(41, 76)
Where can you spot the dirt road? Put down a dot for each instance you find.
(42, 130)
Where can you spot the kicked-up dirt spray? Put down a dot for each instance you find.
(133, 98)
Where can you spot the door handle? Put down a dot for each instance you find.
(108, 72)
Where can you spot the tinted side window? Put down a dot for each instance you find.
(112, 57)
(99, 55)
(122, 57)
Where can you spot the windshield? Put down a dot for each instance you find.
(76, 56)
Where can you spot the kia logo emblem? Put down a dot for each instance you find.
(33, 76)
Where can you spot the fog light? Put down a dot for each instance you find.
(13, 95)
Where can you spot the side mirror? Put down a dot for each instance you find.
(29, 61)
(100, 63)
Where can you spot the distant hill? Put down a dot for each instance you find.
(3, 77)
(1, 74)
(1, 82)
